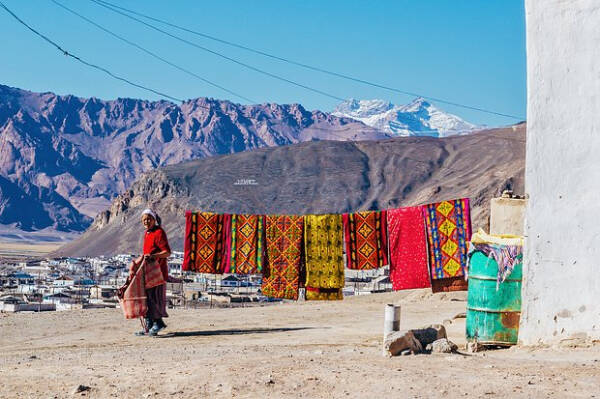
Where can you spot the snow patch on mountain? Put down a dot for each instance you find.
(418, 118)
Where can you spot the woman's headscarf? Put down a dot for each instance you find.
(150, 212)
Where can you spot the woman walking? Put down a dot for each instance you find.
(156, 248)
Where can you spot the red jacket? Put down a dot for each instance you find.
(155, 240)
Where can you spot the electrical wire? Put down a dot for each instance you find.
(158, 57)
(89, 64)
(310, 67)
(65, 52)
(216, 53)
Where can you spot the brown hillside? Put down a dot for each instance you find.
(316, 177)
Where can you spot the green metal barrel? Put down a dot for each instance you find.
(493, 316)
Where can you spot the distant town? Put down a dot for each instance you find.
(58, 284)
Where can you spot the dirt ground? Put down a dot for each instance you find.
(310, 349)
(12, 250)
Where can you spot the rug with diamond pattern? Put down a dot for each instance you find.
(206, 243)
(365, 239)
(448, 226)
(247, 240)
(283, 237)
(323, 240)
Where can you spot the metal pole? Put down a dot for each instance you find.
(392, 319)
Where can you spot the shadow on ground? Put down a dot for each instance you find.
(231, 332)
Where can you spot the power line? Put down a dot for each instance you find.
(307, 66)
(75, 57)
(150, 52)
(236, 61)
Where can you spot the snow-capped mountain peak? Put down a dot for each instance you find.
(363, 108)
(418, 118)
(415, 105)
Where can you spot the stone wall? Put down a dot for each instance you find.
(507, 216)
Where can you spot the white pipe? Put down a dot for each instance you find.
(392, 319)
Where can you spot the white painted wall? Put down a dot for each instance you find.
(561, 289)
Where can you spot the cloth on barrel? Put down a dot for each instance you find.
(506, 250)
(247, 244)
(281, 273)
(506, 256)
(408, 248)
(323, 294)
(207, 242)
(324, 253)
(132, 295)
(448, 225)
(365, 236)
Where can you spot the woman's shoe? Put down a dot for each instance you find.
(156, 328)
(161, 323)
(148, 326)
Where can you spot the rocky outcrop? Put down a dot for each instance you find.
(149, 190)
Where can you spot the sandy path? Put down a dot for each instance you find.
(312, 349)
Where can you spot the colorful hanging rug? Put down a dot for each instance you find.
(324, 255)
(365, 236)
(408, 248)
(247, 244)
(281, 274)
(448, 225)
(324, 294)
(206, 243)
(449, 284)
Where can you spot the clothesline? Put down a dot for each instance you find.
(423, 245)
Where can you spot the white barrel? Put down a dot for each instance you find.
(391, 321)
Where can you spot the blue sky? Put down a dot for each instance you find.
(470, 52)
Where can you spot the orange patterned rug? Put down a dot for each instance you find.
(282, 263)
(246, 244)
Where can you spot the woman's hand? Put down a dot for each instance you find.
(160, 255)
(148, 257)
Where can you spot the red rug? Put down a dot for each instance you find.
(408, 249)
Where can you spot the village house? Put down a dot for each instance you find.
(63, 281)
(103, 293)
(20, 278)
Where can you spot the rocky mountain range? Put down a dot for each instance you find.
(418, 118)
(315, 177)
(64, 158)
